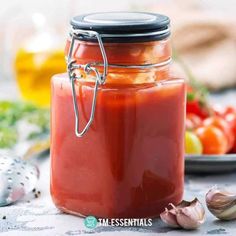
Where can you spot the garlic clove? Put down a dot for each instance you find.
(187, 215)
(228, 214)
(221, 203)
(169, 217)
(191, 216)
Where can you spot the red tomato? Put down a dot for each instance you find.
(224, 126)
(197, 121)
(229, 114)
(231, 119)
(213, 140)
(189, 124)
(219, 110)
(230, 110)
(195, 108)
(192, 121)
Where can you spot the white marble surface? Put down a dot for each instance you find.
(39, 217)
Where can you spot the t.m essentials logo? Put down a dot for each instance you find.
(92, 222)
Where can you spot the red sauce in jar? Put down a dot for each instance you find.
(130, 163)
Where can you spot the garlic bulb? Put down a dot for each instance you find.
(221, 203)
(187, 215)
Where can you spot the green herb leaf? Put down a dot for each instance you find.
(8, 137)
(190, 97)
(11, 112)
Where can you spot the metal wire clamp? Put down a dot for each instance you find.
(100, 78)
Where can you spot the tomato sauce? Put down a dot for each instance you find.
(130, 163)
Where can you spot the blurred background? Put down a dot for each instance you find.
(33, 35)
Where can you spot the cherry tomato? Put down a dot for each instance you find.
(189, 124)
(194, 120)
(222, 111)
(230, 110)
(195, 108)
(213, 140)
(231, 119)
(229, 115)
(193, 144)
(224, 126)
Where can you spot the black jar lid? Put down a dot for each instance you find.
(123, 26)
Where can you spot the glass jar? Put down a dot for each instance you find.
(117, 119)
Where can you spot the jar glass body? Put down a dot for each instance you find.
(130, 163)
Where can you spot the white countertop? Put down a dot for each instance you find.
(40, 217)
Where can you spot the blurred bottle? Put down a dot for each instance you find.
(38, 58)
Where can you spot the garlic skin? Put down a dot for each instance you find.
(186, 215)
(221, 203)
(169, 217)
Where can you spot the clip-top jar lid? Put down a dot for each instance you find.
(123, 26)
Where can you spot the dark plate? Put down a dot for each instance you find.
(210, 164)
